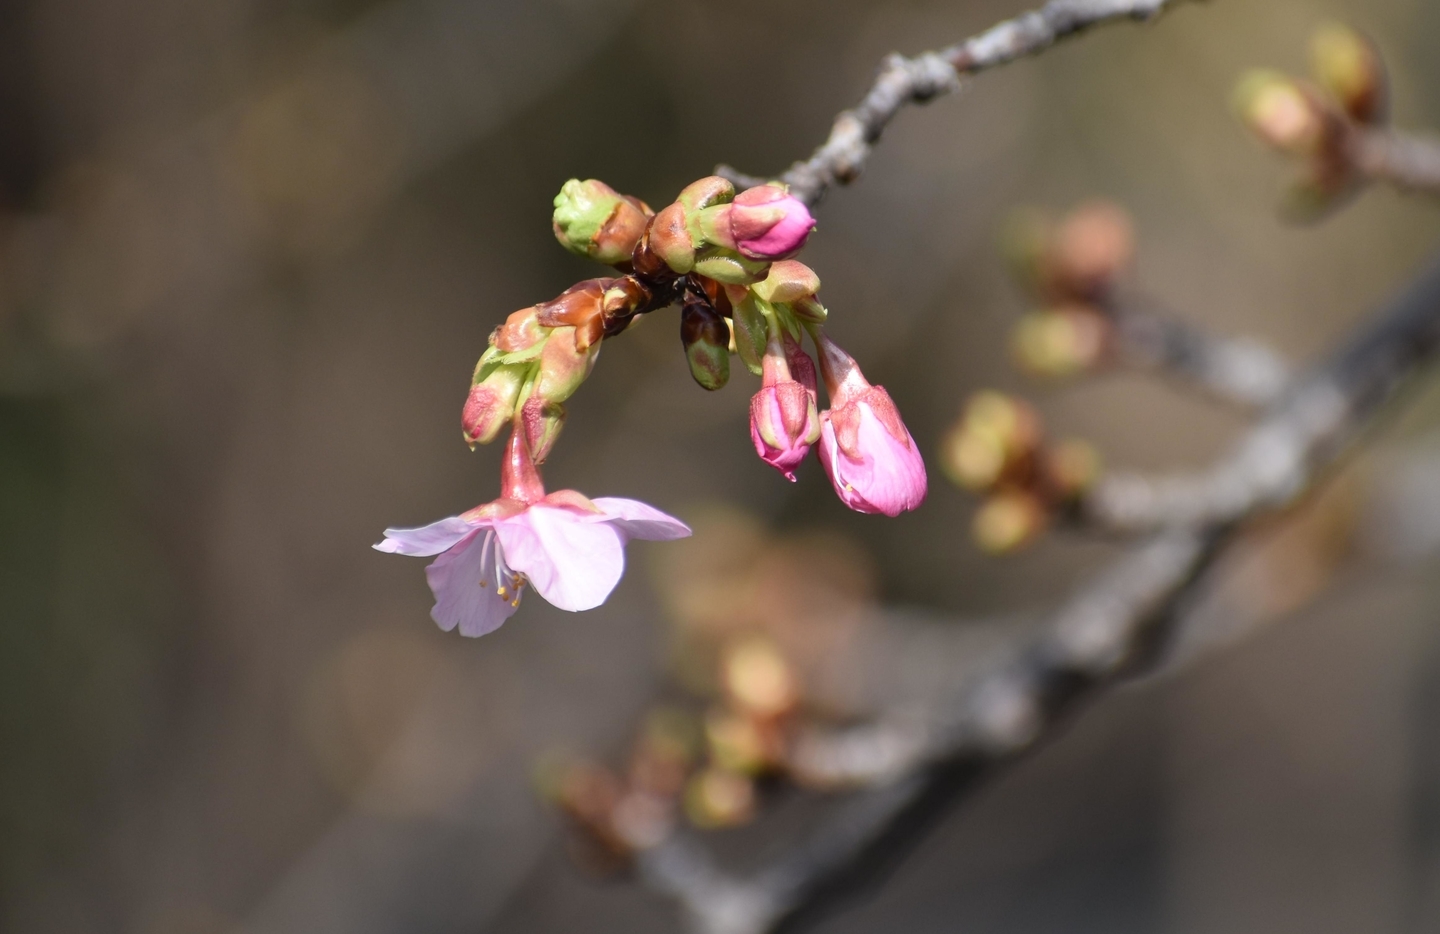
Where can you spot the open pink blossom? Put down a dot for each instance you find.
(769, 223)
(783, 421)
(569, 548)
(873, 462)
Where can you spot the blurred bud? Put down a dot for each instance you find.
(706, 338)
(716, 798)
(1060, 341)
(641, 819)
(491, 402)
(787, 281)
(521, 331)
(758, 679)
(563, 365)
(1280, 112)
(1348, 66)
(1073, 466)
(993, 436)
(974, 460)
(1008, 521)
(542, 422)
(1025, 243)
(673, 733)
(594, 220)
(737, 743)
(588, 793)
(1091, 246)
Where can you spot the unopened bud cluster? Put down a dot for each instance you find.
(700, 766)
(724, 257)
(1071, 267)
(997, 449)
(1315, 121)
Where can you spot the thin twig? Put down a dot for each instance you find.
(924, 77)
(1237, 370)
(1407, 161)
(1097, 638)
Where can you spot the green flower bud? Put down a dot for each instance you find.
(1347, 65)
(594, 220)
(1280, 112)
(564, 365)
(491, 403)
(788, 281)
(706, 339)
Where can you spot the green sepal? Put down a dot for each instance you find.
(751, 333)
(729, 268)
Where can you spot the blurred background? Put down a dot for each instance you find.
(249, 253)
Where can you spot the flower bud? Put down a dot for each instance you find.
(994, 440)
(706, 339)
(736, 743)
(541, 421)
(719, 798)
(594, 220)
(1073, 467)
(1008, 521)
(788, 281)
(1091, 246)
(521, 331)
(768, 223)
(563, 365)
(1280, 112)
(873, 462)
(1347, 65)
(784, 425)
(723, 265)
(491, 402)
(1060, 341)
(706, 192)
(669, 238)
(758, 679)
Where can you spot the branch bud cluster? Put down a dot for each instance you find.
(997, 448)
(1071, 266)
(1322, 121)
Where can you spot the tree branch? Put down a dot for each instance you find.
(1237, 370)
(1102, 634)
(926, 76)
(1407, 161)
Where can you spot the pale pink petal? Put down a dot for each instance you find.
(466, 592)
(427, 540)
(573, 560)
(634, 519)
(889, 478)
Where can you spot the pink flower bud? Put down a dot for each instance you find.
(783, 421)
(491, 402)
(873, 462)
(768, 223)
